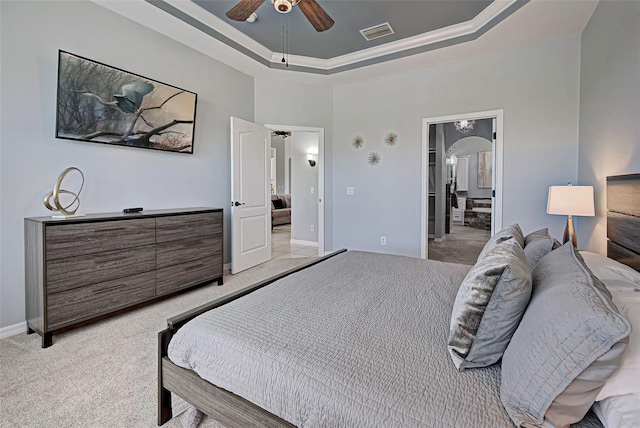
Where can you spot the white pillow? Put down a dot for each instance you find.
(626, 378)
(619, 412)
(615, 275)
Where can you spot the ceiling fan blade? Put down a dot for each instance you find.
(244, 9)
(320, 20)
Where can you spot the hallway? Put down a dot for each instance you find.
(463, 245)
(281, 246)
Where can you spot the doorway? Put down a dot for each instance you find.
(299, 181)
(461, 184)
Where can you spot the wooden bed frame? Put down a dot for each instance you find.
(221, 405)
(623, 219)
(623, 233)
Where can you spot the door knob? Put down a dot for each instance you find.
(237, 204)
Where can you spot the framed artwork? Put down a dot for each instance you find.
(485, 169)
(103, 104)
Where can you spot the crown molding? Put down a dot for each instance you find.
(199, 26)
(197, 12)
(422, 42)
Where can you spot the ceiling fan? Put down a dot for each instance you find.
(320, 20)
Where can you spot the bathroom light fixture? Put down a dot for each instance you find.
(312, 157)
(465, 125)
(571, 200)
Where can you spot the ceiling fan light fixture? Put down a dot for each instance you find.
(284, 6)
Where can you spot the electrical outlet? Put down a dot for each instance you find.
(350, 191)
(383, 240)
(312, 228)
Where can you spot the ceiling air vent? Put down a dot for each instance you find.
(377, 31)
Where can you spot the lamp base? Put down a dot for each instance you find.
(570, 233)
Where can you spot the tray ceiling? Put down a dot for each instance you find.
(419, 25)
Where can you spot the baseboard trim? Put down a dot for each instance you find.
(226, 268)
(304, 243)
(12, 330)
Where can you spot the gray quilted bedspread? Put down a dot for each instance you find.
(359, 340)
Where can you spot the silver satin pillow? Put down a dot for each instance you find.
(512, 231)
(569, 342)
(489, 306)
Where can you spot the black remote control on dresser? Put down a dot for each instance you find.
(131, 210)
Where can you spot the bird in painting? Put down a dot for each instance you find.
(130, 98)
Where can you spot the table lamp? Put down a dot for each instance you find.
(571, 200)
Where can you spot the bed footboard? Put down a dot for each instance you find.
(221, 405)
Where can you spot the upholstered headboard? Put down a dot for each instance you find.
(623, 219)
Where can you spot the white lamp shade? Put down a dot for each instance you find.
(571, 200)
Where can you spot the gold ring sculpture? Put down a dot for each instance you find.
(56, 192)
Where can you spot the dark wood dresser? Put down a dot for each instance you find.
(81, 269)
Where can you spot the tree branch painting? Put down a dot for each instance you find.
(102, 104)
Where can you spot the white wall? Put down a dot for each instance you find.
(534, 85)
(278, 144)
(470, 146)
(304, 204)
(609, 108)
(116, 177)
(285, 103)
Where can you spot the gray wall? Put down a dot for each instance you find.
(609, 108)
(471, 146)
(277, 143)
(535, 84)
(116, 177)
(289, 103)
(304, 204)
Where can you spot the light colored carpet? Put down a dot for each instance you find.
(104, 374)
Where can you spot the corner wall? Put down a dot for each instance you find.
(304, 177)
(535, 85)
(609, 108)
(280, 102)
(116, 177)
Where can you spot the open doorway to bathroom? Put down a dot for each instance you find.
(297, 173)
(462, 185)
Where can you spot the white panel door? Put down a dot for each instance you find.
(250, 200)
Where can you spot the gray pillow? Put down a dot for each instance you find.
(537, 244)
(512, 231)
(488, 306)
(540, 233)
(569, 342)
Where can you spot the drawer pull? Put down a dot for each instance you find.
(108, 289)
(194, 267)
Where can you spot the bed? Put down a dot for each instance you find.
(365, 344)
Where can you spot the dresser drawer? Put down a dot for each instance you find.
(185, 250)
(188, 226)
(74, 272)
(184, 275)
(68, 240)
(88, 302)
